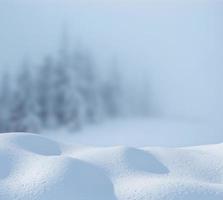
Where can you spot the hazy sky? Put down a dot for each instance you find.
(176, 44)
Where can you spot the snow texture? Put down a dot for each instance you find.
(36, 168)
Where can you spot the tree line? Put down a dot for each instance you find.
(66, 90)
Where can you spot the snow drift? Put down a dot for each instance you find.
(35, 168)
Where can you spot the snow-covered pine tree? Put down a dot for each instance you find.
(76, 105)
(87, 84)
(111, 92)
(5, 102)
(44, 93)
(61, 84)
(23, 108)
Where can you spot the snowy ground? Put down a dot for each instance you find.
(140, 132)
(33, 167)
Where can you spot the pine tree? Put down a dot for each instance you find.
(61, 83)
(23, 109)
(87, 85)
(44, 93)
(111, 92)
(5, 102)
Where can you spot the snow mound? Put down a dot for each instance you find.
(140, 160)
(34, 167)
(36, 144)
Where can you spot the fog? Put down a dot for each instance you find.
(175, 46)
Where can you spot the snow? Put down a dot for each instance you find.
(139, 132)
(38, 168)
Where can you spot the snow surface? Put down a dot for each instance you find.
(33, 167)
(140, 132)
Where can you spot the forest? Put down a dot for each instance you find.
(66, 90)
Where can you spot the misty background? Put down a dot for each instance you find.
(166, 54)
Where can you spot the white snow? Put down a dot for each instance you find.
(33, 167)
(139, 132)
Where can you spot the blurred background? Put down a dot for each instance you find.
(114, 72)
